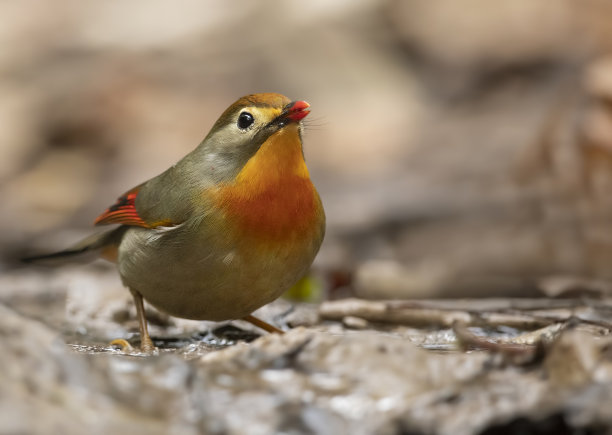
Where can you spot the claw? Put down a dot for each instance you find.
(123, 344)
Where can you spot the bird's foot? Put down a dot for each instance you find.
(263, 325)
(146, 347)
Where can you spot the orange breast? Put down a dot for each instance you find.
(272, 199)
(278, 213)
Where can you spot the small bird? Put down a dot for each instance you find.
(224, 231)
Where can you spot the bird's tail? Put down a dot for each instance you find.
(97, 245)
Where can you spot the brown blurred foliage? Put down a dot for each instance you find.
(460, 147)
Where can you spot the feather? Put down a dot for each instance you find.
(123, 211)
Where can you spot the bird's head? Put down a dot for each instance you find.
(246, 125)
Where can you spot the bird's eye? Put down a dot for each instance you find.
(245, 120)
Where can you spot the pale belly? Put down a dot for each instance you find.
(211, 277)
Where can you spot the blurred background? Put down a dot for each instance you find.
(461, 147)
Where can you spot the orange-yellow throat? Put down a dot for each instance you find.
(272, 199)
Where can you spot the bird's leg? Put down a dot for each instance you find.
(146, 344)
(261, 324)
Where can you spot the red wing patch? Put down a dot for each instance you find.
(122, 212)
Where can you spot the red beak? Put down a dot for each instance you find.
(297, 110)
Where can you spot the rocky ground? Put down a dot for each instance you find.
(347, 366)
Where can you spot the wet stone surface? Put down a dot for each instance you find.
(354, 376)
